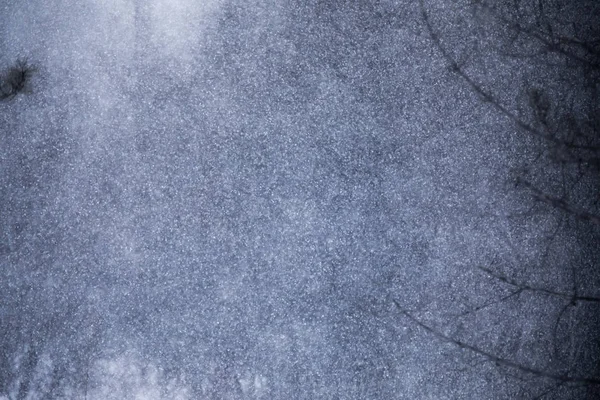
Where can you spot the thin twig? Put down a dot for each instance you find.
(573, 298)
(560, 203)
(494, 358)
(489, 98)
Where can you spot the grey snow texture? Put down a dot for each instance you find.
(285, 199)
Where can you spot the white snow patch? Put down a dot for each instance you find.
(128, 377)
(177, 24)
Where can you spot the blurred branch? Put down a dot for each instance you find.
(548, 391)
(551, 43)
(494, 358)
(490, 303)
(16, 79)
(578, 148)
(573, 298)
(559, 203)
(489, 98)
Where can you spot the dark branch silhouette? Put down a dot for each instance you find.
(565, 150)
(573, 298)
(550, 42)
(16, 79)
(491, 99)
(567, 144)
(494, 358)
(559, 203)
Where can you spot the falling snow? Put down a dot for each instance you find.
(241, 200)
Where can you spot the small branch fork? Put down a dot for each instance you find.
(571, 152)
(552, 44)
(489, 98)
(494, 358)
(573, 298)
(559, 203)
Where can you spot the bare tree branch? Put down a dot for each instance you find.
(489, 98)
(494, 358)
(559, 203)
(549, 42)
(573, 298)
